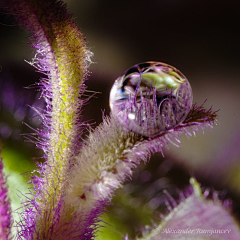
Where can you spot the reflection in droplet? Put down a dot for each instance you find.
(151, 98)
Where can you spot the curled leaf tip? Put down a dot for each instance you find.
(199, 114)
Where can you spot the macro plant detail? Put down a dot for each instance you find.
(151, 98)
(151, 107)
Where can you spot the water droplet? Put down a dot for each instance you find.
(150, 98)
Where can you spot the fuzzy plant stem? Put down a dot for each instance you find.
(5, 209)
(106, 160)
(63, 57)
(74, 186)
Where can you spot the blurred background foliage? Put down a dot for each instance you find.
(200, 38)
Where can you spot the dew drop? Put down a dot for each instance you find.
(151, 98)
